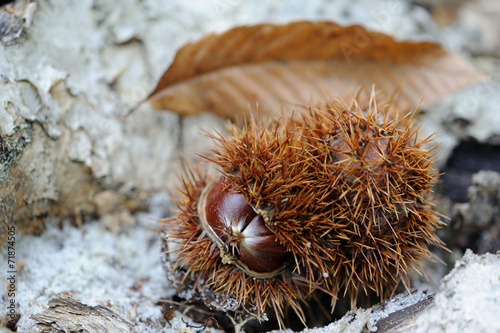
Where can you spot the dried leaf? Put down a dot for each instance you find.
(280, 67)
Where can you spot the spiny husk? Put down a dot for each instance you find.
(222, 286)
(345, 188)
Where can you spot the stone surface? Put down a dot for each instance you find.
(468, 299)
(476, 223)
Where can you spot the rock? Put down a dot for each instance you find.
(467, 300)
(476, 224)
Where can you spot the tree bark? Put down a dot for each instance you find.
(68, 149)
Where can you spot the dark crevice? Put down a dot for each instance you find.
(467, 159)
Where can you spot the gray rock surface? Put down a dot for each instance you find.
(468, 299)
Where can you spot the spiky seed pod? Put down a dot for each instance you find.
(328, 202)
(378, 173)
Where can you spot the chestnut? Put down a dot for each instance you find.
(240, 232)
(331, 202)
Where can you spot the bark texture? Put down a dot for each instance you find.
(67, 146)
(68, 315)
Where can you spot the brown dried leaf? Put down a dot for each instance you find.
(280, 67)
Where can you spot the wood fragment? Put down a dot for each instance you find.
(404, 320)
(68, 315)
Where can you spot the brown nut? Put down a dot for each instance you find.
(240, 232)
